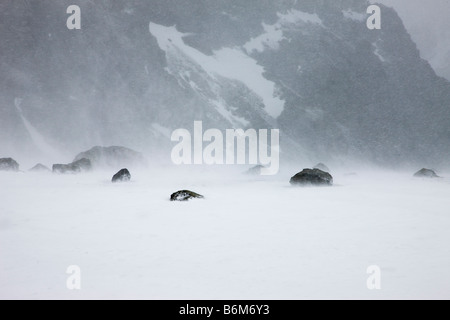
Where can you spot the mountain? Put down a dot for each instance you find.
(429, 28)
(139, 69)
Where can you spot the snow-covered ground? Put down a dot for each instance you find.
(250, 238)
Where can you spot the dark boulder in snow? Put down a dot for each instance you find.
(314, 177)
(426, 173)
(255, 170)
(322, 167)
(122, 176)
(8, 164)
(113, 157)
(81, 165)
(40, 168)
(185, 195)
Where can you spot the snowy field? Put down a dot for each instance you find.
(250, 238)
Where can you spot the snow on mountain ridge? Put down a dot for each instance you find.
(230, 63)
(294, 16)
(273, 34)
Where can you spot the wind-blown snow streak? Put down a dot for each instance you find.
(231, 63)
(160, 130)
(38, 140)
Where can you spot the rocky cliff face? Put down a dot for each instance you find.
(139, 69)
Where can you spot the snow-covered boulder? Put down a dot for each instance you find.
(426, 173)
(122, 176)
(79, 166)
(312, 177)
(40, 168)
(113, 157)
(185, 195)
(8, 164)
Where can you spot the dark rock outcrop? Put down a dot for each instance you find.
(322, 167)
(8, 164)
(313, 177)
(79, 166)
(40, 168)
(113, 157)
(185, 195)
(122, 176)
(426, 173)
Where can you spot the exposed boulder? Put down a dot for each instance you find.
(426, 173)
(8, 164)
(314, 177)
(122, 176)
(40, 168)
(79, 166)
(113, 157)
(322, 167)
(185, 195)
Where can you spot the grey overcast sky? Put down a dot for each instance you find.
(428, 22)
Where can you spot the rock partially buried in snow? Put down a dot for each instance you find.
(322, 167)
(426, 173)
(39, 168)
(255, 170)
(113, 157)
(9, 164)
(79, 166)
(122, 176)
(313, 177)
(185, 195)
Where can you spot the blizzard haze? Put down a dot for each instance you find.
(337, 91)
(372, 105)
